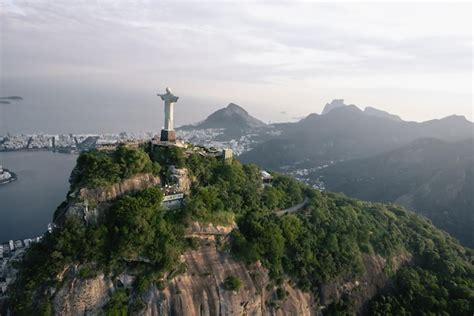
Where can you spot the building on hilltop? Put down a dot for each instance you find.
(267, 178)
(227, 154)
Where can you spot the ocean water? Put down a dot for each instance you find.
(27, 204)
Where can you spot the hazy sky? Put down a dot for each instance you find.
(97, 65)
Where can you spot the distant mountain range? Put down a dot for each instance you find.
(346, 132)
(372, 154)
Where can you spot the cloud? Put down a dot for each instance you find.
(199, 46)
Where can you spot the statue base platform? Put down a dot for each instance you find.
(168, 136)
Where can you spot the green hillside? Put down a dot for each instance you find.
(323, 243)
(432, 177)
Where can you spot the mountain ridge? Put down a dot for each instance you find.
(347, 132)
(380, 113)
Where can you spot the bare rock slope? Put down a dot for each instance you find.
(199, 290)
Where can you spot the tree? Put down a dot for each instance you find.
(232, 283)
(272, 198)
(134, 161)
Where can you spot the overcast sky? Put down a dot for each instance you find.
(104, 61)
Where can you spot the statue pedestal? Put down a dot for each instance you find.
(168, 136)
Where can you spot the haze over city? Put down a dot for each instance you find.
(91, 64)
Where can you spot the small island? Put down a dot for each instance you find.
(9, 99)
(6, 176)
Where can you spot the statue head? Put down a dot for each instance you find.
(168, 96)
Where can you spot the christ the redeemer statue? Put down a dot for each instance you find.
(168, 133)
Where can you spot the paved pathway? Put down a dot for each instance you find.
(293, 208)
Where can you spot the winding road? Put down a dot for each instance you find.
(293, 208)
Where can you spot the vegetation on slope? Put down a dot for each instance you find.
(430, 176)
(323, 244)
(98, 169)
(136, 234)
(225, 191)
(326, 245)
(232, 283)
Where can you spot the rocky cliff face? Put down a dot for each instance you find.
(366, 286)
(134, 184)
(199, 290)
(81, 297)
(180, 178)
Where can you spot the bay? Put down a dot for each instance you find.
(27, 205)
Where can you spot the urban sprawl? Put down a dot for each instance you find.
(73, 143)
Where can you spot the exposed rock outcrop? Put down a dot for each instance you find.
(180, 177)
(197, 229)
(200, 290)
(197, 291)
(81, 297)
(363, 288)
(88, 204)
(134, 184)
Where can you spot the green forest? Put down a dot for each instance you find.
(325, 242)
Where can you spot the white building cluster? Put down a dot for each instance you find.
(69, 142)
(15, 142)
(10, 252)
(210, 138)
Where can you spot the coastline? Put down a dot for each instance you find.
(55, 150)
(28, 203)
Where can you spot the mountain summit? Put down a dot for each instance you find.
(336, 103)
(232, 117)
(339, 103)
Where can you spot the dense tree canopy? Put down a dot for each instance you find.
(324, 242)
(223, 191)
(136, 232)
(327, 242)
(98, 169)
